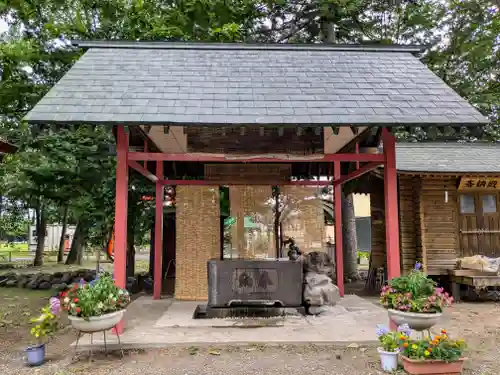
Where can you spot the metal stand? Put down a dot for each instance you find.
(81, 333)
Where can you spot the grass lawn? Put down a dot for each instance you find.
(17, 307)
(18, 247)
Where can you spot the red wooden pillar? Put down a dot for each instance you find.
(158, 266)
(391, 206)
(121, 200)
(337, 204)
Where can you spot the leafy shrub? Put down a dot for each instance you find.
(441, 347)
(414, 292)
(96, 298)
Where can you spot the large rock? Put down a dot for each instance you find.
(319, 290)
(11, 283)
(318, 262)
(67, 277)
(44, 285)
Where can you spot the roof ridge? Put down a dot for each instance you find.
(446, 144)
(126, 44)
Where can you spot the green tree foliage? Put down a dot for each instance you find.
(57, 169)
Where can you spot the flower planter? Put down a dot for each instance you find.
(388, 360)
(97, 323)
(416, 321)
(35, 355)
(432, 367)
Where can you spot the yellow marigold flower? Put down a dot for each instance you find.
(414, 346)
(426, 353)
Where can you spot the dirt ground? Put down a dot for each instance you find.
(478, 323)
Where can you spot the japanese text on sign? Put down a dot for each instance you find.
(486, 183)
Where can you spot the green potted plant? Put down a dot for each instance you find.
(95, 306)
(433, 356)
(44, 326)
(391, 342)
(414, 299)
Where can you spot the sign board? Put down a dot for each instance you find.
(256, 174)
(479, 183)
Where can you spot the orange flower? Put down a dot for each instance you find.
(405, 345)
(403, 337)
(443, 331)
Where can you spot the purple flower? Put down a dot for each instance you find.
(55, 305)
(418, 266)
(405, 329)
(381, 330)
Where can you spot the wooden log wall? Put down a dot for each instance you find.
(409, 188)
(428, 224)
(439, 224)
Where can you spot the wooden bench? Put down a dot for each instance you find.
(473, 279)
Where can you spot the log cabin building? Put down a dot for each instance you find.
(448, 205)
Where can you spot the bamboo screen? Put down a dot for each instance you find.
(256, 238)
(303, 217)
(197, 239)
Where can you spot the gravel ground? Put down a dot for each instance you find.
(478, 323)
(289, 360)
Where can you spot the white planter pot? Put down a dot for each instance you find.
(97, 323)
(388, 360)
(416, 321)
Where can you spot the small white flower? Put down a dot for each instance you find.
(66, 300)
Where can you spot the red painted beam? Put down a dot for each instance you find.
(391, 206)
(121, 203)
(142, 170)
(357, 152)
(157, 269)
(208, 182)
(357, 173)
(337, 209)
(193, 157)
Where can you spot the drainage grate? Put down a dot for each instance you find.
(206, 312)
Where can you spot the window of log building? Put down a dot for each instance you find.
(489, 203)
(467, 205)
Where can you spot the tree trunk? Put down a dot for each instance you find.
(130, 245)
(277, 242)
(60, 254)
(76, 250)
(41, 228)
(130, 258)
(349, 240)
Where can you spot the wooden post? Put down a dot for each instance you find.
(337, 203)
(121, 209)
(391, 206)
(158, 266)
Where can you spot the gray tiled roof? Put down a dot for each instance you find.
(242, 85)
(448, 157)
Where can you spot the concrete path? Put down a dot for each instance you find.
(164, 323)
